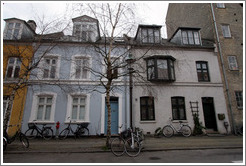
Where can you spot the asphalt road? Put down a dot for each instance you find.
(171, 156)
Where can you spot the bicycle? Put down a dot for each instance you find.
(239, 130)
(46, 132)
(133, 145)
(8, 140)
(168, 130)
(80, 131)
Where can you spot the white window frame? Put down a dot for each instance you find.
(14, 65)
(73, 67)
(220, 5)
(226, 31)
(35, 107)
(88, 28)
(232, 62)
(120, 70)
(13, 30)
(42, 64)
(69, 107)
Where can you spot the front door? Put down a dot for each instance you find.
(209, 113)
(114, 116)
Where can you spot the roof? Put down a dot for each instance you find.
(7, 19)
(146, 26)
(85, 17)
(186, 28)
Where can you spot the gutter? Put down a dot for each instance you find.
(223, 70)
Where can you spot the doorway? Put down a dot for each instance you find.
(209, 113)
(114, 103)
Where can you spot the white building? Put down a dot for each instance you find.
(178, 71)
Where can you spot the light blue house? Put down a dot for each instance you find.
(69, 81)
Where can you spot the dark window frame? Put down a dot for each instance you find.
(202, 78)
(154, 67)
(178, 106)
(150, 34)
(147, 108)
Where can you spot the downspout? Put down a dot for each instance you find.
(223, 69)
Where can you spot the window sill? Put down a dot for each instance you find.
(151, 121)
(42, 122)
(177, 121)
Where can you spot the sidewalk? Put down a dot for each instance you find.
(97, 144)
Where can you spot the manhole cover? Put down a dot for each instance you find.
(154, 158)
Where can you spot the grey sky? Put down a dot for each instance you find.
(153, 12)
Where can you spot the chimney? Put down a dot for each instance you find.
(32, 24)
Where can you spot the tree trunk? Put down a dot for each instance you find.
(109, 116)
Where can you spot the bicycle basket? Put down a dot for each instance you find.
(84, 125)
(31, 125)
(125, 134)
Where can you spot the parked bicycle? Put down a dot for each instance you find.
(8, 140)
(46, 132)
(129, 142)
(168, 130)
(80, 131)
(239, 130)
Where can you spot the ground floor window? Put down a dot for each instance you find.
(178, 108)
(44, 107)
(147, 108)
(5, 104)
(78, 107)
(239, 98)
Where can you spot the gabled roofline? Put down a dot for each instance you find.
(84, 16)
(187, 28)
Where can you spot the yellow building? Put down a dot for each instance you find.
(17, 55)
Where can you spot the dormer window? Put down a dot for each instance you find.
(13, 30)
(190, 37)
(85, 32)
(150, 35)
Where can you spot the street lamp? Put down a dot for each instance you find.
(129, 60)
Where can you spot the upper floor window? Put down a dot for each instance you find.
(147, 108)
(50, 67)
(80, 67)
(220, 5)
(178, 108)
(150, 35)
(202, 71)
(190, 37)
(160, 68)
(13, 68)
(13, 30)
(239, 99)
(226, 31)
(232, 61)
(85, 32)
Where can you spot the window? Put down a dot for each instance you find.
(220, 5)
(150, 35)
(80, 67)
(160, 68)
(13, 30)
(178, 108)
(202, 71)
(190, 37)
(78, 108)
(13, 68)
(147, 108)
(232, 61)
(50, 67)
(239, 99)
(86, 32)
(5, 104)
(44, 107)
(226, 31)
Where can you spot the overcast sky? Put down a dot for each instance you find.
(153, 12)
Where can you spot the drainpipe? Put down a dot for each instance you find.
(223, 69)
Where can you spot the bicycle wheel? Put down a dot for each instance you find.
(31, 133)
(240, 130)
(185, 130)
(168, 131)
(118, 146)
(64, 133)
(47, 133)
(4, 144)
(132, 147)
(83, 132)
(24, 140)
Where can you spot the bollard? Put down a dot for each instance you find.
(57, 128)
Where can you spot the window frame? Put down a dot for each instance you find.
(14, 66)
(232, 65)
(220, 5)
(170, 68)
(70, 105)
(201, 63)
(35, 103)
(85, 31)
(226, 31)
(239, 99)
(185, 35)
(74, 65)
(178, 107)
(150, 35)
(5, 104)
(10, 31)
(147, 108)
